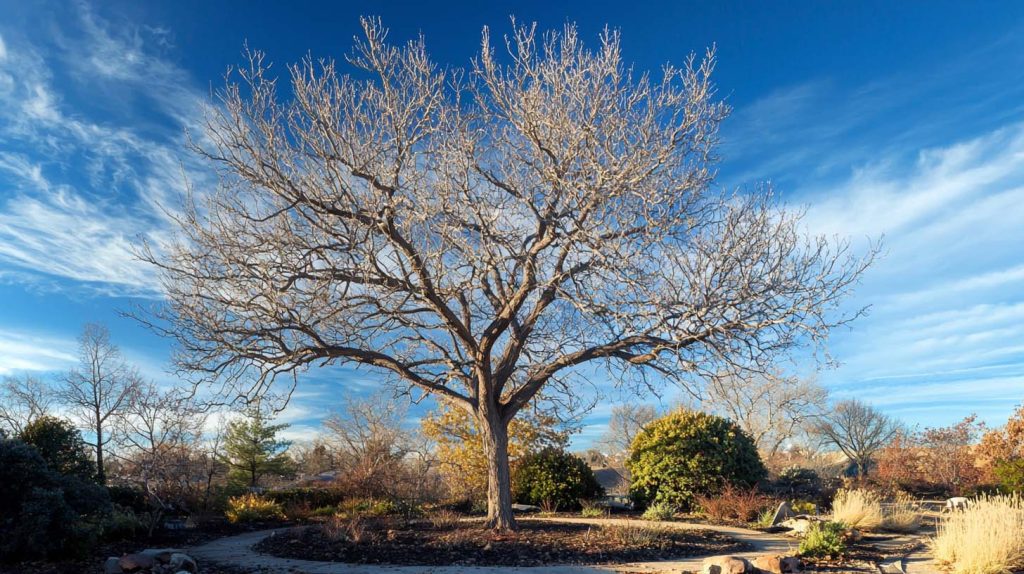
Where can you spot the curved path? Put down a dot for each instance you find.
(237, 551)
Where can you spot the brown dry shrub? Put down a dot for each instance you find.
(733, 503)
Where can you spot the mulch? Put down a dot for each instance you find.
(533, 544)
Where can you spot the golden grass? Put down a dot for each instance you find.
(986, 538)
(858, 508)
(902, 516)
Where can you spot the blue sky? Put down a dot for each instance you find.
(903, 120)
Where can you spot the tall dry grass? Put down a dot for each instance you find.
(858, 508)
(902, 515)
(986, 538)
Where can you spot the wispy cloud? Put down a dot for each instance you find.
(20, 351)
(81, 186)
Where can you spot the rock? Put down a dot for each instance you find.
(112, 566)
(183, 562)
(726, 565)
(130, 562)
(894, 566)
(852, 535)
(777, 564)
(161, 555)
(784, 512)
(797, 526)
(525, 508)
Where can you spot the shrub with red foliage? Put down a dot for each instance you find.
(734, 503)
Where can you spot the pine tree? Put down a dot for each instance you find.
(253, 451)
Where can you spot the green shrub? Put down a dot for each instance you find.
(554, 478)
(324, 511)
(823, 539)
(253, 508)
(128, 497)
(1010, 474)
(688, 454)
(60, 444)
(122, 524)
(659, 511)
(44, 514)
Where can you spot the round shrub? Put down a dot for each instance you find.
(61, 446)
(554, 478)
(686, 454)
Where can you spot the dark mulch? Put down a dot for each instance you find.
(534, 544)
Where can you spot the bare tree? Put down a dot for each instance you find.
(157, 434)
(99, 390)
(626, 422)
(772, 408)
(482, 235)
(858, 430)
(371, 443)
(23, 399)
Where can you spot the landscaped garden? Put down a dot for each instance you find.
(501, 248)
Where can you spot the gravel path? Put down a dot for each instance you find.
(237, 551)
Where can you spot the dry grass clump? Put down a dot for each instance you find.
(902, 516)
(858, 508)
(633, 534)
(986, 538)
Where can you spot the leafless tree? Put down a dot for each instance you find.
(373, 446)
(773, 408)
(482, 235)
(858, 430)
(99, 390)
(23, 399)
(626, 422)
(157, 433)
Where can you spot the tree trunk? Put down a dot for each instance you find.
(499, 479)
(101, 475)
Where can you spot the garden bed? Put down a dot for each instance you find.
(382, 541)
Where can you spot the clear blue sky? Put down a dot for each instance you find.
(902, 119)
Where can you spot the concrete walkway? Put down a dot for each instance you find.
(237, 551)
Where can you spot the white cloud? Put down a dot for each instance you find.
(20, 351)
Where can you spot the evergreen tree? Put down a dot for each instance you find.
(253, 451)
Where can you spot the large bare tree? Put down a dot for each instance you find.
(483, 234)
(626, 421)
(858, 430)
(98, 391)
(772, 407)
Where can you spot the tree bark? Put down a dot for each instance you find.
(494, 431)
(101, 475)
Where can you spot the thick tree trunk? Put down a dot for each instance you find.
(499, 479)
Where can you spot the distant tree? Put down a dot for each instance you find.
(461, 454)
(372, 445)
(858, 430)
(626, 422)
(686, 454)
(97, 392)
(936, 458)
(486, 236)
(159, 431)
(23, 399)
(1002, 446)
(252, 449)
(61, 446)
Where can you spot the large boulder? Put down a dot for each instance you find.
(777, 564)
(726, 565)
(112, 566)
(784, 512)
